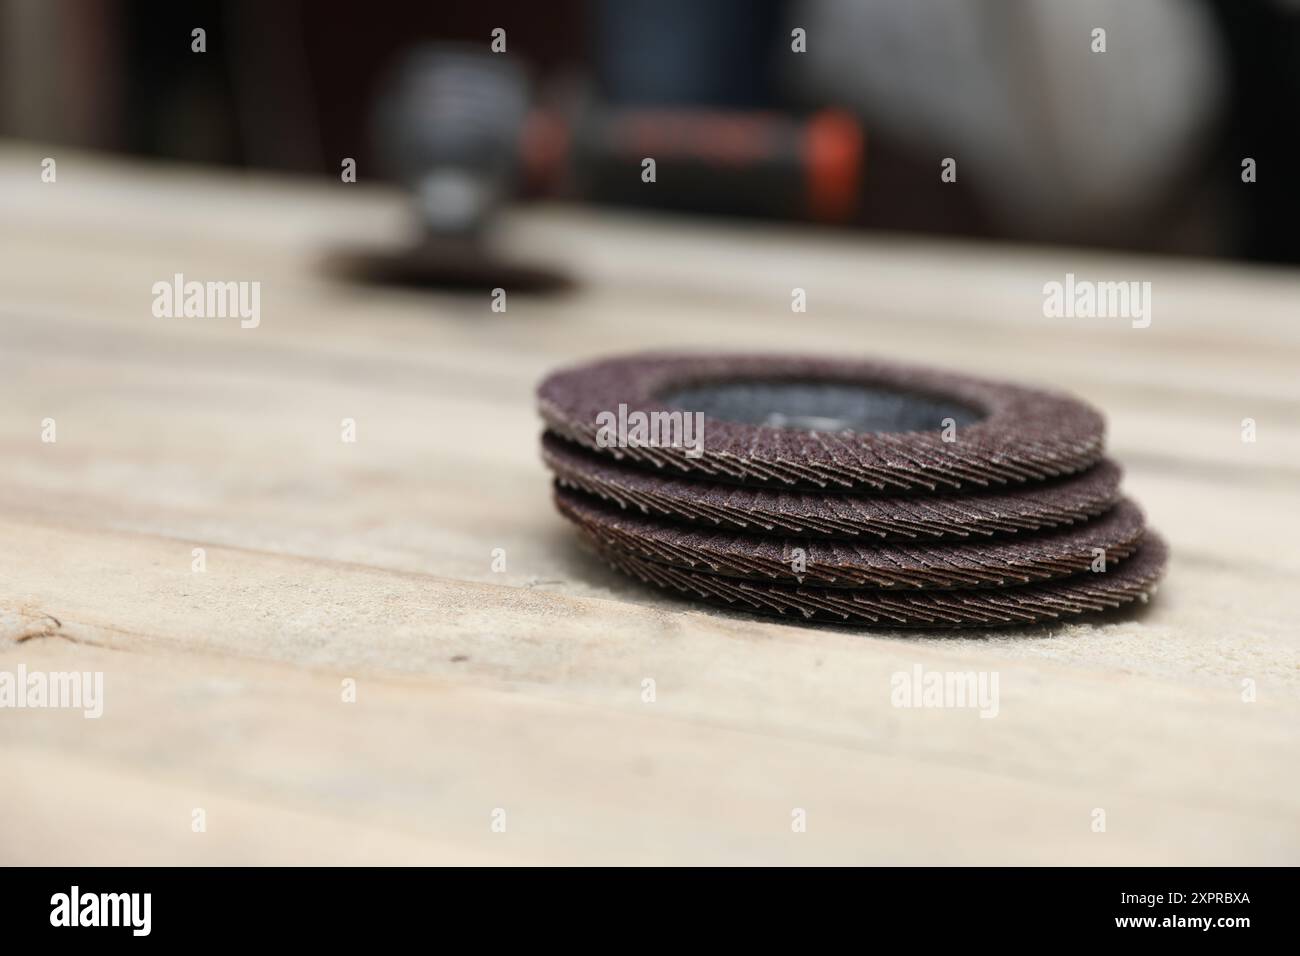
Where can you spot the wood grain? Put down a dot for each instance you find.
(522, 689)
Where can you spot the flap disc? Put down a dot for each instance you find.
(851, 516)
(856, 492)
(1019, 560)
(1128, 581)
(821, 423)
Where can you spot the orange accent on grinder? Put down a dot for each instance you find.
(835, 146)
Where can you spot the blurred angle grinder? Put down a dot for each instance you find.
(462, 131)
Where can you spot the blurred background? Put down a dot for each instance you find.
(1138, 147)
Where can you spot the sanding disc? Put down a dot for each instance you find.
(1019, 560)
(847, 515)
(825, 423)
(1087, 592)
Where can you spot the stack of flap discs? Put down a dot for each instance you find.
(845, 491)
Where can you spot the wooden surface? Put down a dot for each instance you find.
(522, 690)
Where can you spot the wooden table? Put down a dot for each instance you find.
(522, 690)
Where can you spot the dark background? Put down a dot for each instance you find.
(291, 86)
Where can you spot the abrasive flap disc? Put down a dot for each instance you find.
(1046, 504)
(850, 491)
(822, 423)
